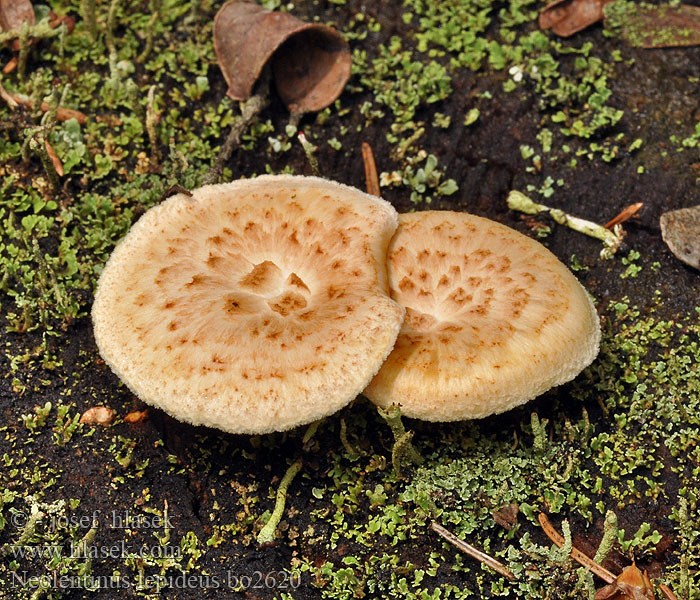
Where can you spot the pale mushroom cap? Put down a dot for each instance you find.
(493, 319)
(253, 306)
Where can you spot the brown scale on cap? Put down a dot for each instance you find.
(493, 319)
(274, 291)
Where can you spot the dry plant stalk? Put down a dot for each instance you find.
(473, 552)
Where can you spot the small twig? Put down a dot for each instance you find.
(371, 177)
(624, 215)
(250, 109)
(576, 554)
(309, 150)
(473, 552)
(666, 591)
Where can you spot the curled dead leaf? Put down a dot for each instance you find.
(566, 17)
(631, 584)
(310, 62)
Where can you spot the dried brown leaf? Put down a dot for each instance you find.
(310, 62)
(631, 584)
(566, 17)
(507, 516)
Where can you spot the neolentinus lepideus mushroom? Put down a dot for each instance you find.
(493, 319)
(253, 306)
(264, 304)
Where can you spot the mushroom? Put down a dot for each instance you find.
(252, 306)
(493, 319)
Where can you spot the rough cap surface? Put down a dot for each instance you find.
(493, 319)
(253, 306)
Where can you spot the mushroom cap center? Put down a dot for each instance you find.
(266, 284)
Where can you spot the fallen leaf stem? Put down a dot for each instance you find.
(250, 109)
